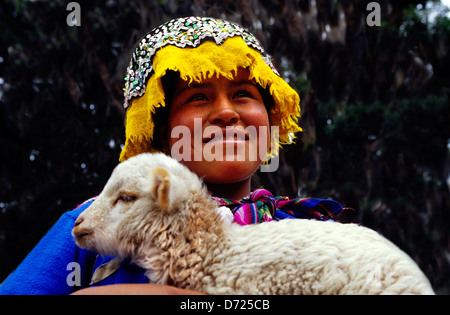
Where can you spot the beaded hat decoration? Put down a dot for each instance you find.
(199, 48)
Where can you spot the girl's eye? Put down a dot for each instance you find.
(243, 93)
(197, 98)
(126, 197)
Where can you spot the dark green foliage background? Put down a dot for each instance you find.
(375, 111)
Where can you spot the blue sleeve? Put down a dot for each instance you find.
(48, 267)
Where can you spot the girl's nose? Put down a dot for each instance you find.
(223, 112)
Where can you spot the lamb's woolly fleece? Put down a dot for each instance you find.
(157, 212)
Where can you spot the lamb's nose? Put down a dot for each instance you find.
(79, 221)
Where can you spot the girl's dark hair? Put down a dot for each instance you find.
(161, 116)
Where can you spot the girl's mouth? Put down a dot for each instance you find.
(228, 135)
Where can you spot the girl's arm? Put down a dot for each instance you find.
(136, 289)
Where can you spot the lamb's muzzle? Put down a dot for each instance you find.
(80, 231)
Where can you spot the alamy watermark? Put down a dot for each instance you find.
(73, 279)
(220, 145)
(374, 17)
(74, 17)
(375, 275)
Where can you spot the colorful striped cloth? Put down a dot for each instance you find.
(262, 206)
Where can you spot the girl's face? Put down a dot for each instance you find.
(217, 113)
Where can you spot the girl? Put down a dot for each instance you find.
(204, 91)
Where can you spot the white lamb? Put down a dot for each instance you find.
(158, 213)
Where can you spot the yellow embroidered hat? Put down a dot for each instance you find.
(199, 48)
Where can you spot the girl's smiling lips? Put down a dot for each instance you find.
(227, 135)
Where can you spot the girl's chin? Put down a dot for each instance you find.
(224, 172)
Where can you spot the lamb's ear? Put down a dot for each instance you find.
(161, 187)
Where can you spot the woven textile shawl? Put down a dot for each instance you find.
(261, 206)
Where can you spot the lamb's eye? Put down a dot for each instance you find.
(126, 197)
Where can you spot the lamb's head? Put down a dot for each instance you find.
(143, 196)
